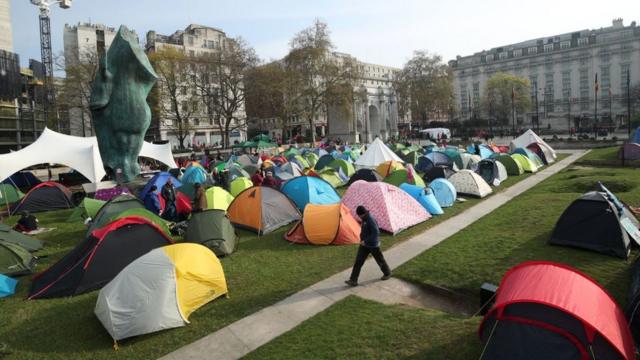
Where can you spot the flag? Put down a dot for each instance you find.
(597, 87)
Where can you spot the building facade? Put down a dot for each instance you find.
(196, 40)
(83, 44)
(562, 70)
(6, 32)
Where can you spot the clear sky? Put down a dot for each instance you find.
(385, 32)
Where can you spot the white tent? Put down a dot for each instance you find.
(469, 183)
(434, 132)
(376, 154)
(529, 137)
(79, 153)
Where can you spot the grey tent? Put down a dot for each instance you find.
(113, 208)
(212, 229)
(15, 237)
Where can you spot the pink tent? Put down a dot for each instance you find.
(629, 151)
(393, 209)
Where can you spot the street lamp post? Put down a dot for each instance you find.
(537, 109)
(629, 103)
(569, 110)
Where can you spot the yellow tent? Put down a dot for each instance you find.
(218, 198)
(239, 185)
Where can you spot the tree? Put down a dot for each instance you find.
(425, 87)
(502, 93)
(315, 77)
(177, 102)
(219, 79)
(266, 94)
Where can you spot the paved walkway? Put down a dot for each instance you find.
(253, 331)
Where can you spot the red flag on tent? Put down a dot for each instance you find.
(597, 87)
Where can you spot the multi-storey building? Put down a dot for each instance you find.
(562, 71)
(83, 45)
(6, 34)
(196, 40)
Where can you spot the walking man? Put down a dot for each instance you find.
(168, 193)
(369, 244)
(199, 199)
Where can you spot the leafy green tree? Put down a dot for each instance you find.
(502, 93)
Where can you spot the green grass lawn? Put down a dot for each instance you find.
(361, 329)
(606, 157)
(263, 271)
(515, 232)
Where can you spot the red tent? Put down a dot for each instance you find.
(545, 310)
(183, 203)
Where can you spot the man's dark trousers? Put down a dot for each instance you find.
(363, 252)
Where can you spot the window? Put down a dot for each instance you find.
(548, 47)
(517, 53)
(502, 55)
(583, 41)
(605, 79)
(625, 56)
(190, 40)
(548, 62)
(625, 34)
(565, 44)
(605, 57)
(532, 50)
(490, 57)
(549, 90)
(192, 53)
(584, 99)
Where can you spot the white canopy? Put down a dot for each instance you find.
(529, 137)
(376, 154)
(434, 132)
(79, 153)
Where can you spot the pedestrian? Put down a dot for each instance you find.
(369, 244)
(270, 180)
(26, 223)
(257, 178)
(168, 193)
(199, 200)
(151, 201)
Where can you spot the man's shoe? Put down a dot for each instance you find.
(351, 282)
(386, 277)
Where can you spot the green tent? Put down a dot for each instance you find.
(397, 147)
(311, 158)
(401, 176)
(526, 164)
(455, 156)
(411, 157)
(14, 259)
(144, 213)
(261, 137)
(291, 152)
(513, 167)
(7, 234)
(112, 208)
(9, 194)
(88, 208)
(347, 167)
(332, 177)
(239, 185)
(187, 189)
(212, 229)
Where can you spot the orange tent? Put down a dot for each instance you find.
(386, 168)
(324, 225)
(262, 209)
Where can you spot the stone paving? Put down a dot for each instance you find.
(253, 331)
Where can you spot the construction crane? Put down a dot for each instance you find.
(47, 55)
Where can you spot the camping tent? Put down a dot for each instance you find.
(159, 180)
(629, 151)
(524, 162)
(469, 183)
(45, 197)
(437, 172)
(444, 192)
(545, 153)
(262, 209)
(344, 165)
(488, 170)
(9, 194)
(144, 213)
(7, 234)
(376, 153)
(194, 174)
(88, 208)
(218, 198)
(239, 185)
(407, 175)
(23, 180)
(160, 290)
(512, 166)
(386, 168)
(311, 158)
(332, 177)
(366, 175)
(502, 171)
(323, 161)
(440, 158)
(527, 138)
(7, 286)
(545, 310)
(592, 222)
(393, 209)
(325, 224)
(530, 155)
(454, 155)
(99, 258)
(287, 171)
(212, 229)
(14, 259)
(112, 208)
(425, 197)
(484, 151)
(470, 161)
(305, 190)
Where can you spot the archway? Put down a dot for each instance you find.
(374, 121)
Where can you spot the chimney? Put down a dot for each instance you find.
(617, 23)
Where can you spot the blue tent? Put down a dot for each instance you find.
(635, 137)
(7, 286)
(439, 158)
(424, 196)
(324, 161)
(485, 151)
(159, 180)
(305, 190)
(320, 152)
(424, 164)
(444, 191)
(22, 180)
(194, 174)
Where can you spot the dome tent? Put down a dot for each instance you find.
(512, 166)
(330, 224)
(393, 209)
(387, 167)
(238, 185)
(545, 310)
(262, 209)
(112, 208)
(46, 196)
(488, 171)
(172, 282)
(366, 175)
(437, 172)
(344, 165)
(524, 162)
(377, 153)
(212, 229)
(531, 155)
(7, 234)
(305, 190)
(425, 197)
(444, 192)
(407, 175)
(194, 174)
(469, 183)
(218, 198)
(99, 258)
(159, 180)
(15, 260)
